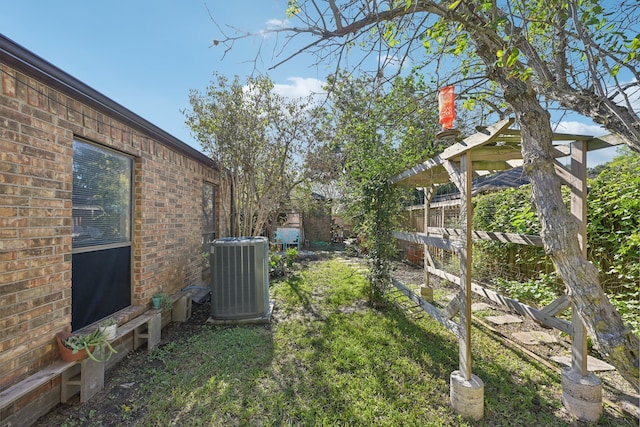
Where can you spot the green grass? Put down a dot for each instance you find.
(330, 360)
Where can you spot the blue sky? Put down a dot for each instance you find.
(147, 55)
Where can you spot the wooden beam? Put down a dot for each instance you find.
(579, 212)
(454, 306)
(466, 264)
(476, 140)
(523, 309)
(454, 173)
(604, 141)
(567, 177)
(424, 239)
(471, 142)
(490, 165)
(497, 153)
(520, 239)
(557, 306)
(422, 167)
(428, 308)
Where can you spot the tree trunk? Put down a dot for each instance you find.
(560, 233)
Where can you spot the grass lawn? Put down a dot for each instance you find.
(327, 359)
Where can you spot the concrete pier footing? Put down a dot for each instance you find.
(582, 395)
(467, 397)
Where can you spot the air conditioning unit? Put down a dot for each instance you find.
(240, 278)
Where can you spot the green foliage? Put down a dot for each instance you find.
(508, 211)
(379, 131)
(92, 343)
(164, 300)
(538, 292)
(614, 232)
(260, 138)
(328, 360)
(281, 264)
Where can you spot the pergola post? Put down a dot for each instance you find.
(466, 390)
(426, 291)
(581, 390)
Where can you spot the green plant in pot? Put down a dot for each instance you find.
(109, 328)
(161, 300)
(76, 347)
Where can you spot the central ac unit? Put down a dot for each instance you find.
(240, 282)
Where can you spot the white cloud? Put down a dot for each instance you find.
(277, 23)
(299, 87)
(578, 128)
(273, 25)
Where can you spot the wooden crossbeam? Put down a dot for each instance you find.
(428, 308)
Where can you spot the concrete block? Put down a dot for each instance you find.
(582, 395)
(87, 377)
(467, 397)
(182, 309)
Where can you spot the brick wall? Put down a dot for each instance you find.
(317, 222)
(37, 128)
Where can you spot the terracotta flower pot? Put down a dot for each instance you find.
(66, 353)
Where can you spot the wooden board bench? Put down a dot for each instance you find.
(24, 387)
(86, 375)
(146, 327)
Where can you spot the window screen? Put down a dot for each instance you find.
(101, 196)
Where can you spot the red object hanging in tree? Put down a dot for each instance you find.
(447, 107)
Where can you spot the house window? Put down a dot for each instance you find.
(101, 260)
(101, 196)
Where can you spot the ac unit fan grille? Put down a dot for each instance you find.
(240, 285)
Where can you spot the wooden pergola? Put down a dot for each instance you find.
(492, 149)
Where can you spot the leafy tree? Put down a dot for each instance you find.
(378, 131)
(261, 138)
(571, 51)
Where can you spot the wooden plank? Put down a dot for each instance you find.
(15, 392)
(466, 261)
(422, 167)
(517, 306)
(454, 173)
(570, 137)
(490, 134)
(523, 309)
(567, 177)
(425, 239)
(557, 306)
(428, 308)
(135, 323)
(497, 153)
(453, 307)
(471, 142)
(446, 203)
(604, 141)
(579, 211)
(490, 165)
(520, 239)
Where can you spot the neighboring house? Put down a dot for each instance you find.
(99, 209)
